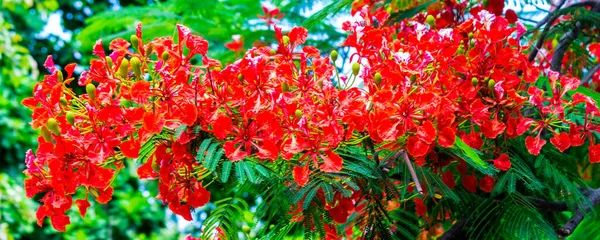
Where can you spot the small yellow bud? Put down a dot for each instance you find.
(491, 84)
(474, 81)
(377, 78)
(124, 68)
(46, 134)
(165, 56)
(355, 68)
(430, 20)
(136, 65)
(59, 76)
(63, 101)
(298, 113)
(285, 40)
(52, 125)
(333, 55)
(109, 62)
(71, 118)
(90, 89)
(273, 52)
(135, 42)
(285, 87)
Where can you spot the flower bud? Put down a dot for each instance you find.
(149, 48)
(136, 65)
(470, 35)
(298, 113)
(59, 76)
(333, 55)
(109, 62)
(52, 125)
(474, 81)
(91, 91)
(285, 87)
(165, 56)
(46, 134)
(460, 50)
(63, 101)
(124, 68)
(491, 84)
(430, 20)
(377, 78)
(285, 40)
(135, 42)
(241, 78)
(355, 68)
(413, 78)
(273, 52)
(246, 229)
(554, 43)
(71, 118)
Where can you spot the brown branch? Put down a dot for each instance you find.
(550, 18)
(412, 173)
(567, 39)
(589, 75)
(579, 214)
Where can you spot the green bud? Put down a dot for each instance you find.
(273, 52)
(430, 20)
(246, 229)
(474, 81)
(377, 78)
(109, 62)
(298, 113)
(46, 134)
(71, 118)
(355, 68)
(554, 43)
(63, 101)
(165, 56)
(491, 84)
(285, 40)
(136, 65)
(333, 55)
(91, 90)
(470, 35)
(285, 87)
(413, 78)
(124, 68)
(52, 125)
(59, 76)
(135, 42)
(460, 50)
(241, 78)
(149, 49)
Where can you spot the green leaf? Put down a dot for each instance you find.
(210, 159)
(239, 170)
(328, 11)
(203, 146)
(408, 13)
(309, 197)
(249, 172)
(226, 171)
(263, 171)
(471, 156)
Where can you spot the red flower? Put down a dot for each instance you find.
(502, 162)
(447, 137)
(270, 15)
(236, 45)
(470, 183)
(448, 179)
(416, 147)
(82, 205)
(486, 184)
(153, 122)
(594, 153)
(300, 175)
(492, 128)
(420, 207)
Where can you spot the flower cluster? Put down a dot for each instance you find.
(424, 88)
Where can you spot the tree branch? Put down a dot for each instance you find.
(412, 173)
(589, 75)
(578, 215)
(549, 19)
(451, 233)
(567, 39)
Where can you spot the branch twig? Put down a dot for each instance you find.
(412, 173)
(589, 75)
(569, 227)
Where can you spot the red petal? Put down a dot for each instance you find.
(502, 162)
(130, 148)
(331, 163)
(511, 16)
(300, 175)
(427, 132)
(447, 137)
(199, 197)
(59, 222)
(534, 145)
(98, 49)
(448, 179)
(470, 183)
(221, 126)
(153, 123)
(562, 141)
(83, 205)
(594, 153)
(523, 126)
(298, 35)
(420, 208)
(49, 64)
(486, 184)
(105, 195)
(416, 147)
(491, 129)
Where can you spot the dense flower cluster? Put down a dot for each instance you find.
(424, 88)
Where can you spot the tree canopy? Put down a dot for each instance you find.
(419, 119)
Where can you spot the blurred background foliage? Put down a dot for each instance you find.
(30, 30)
